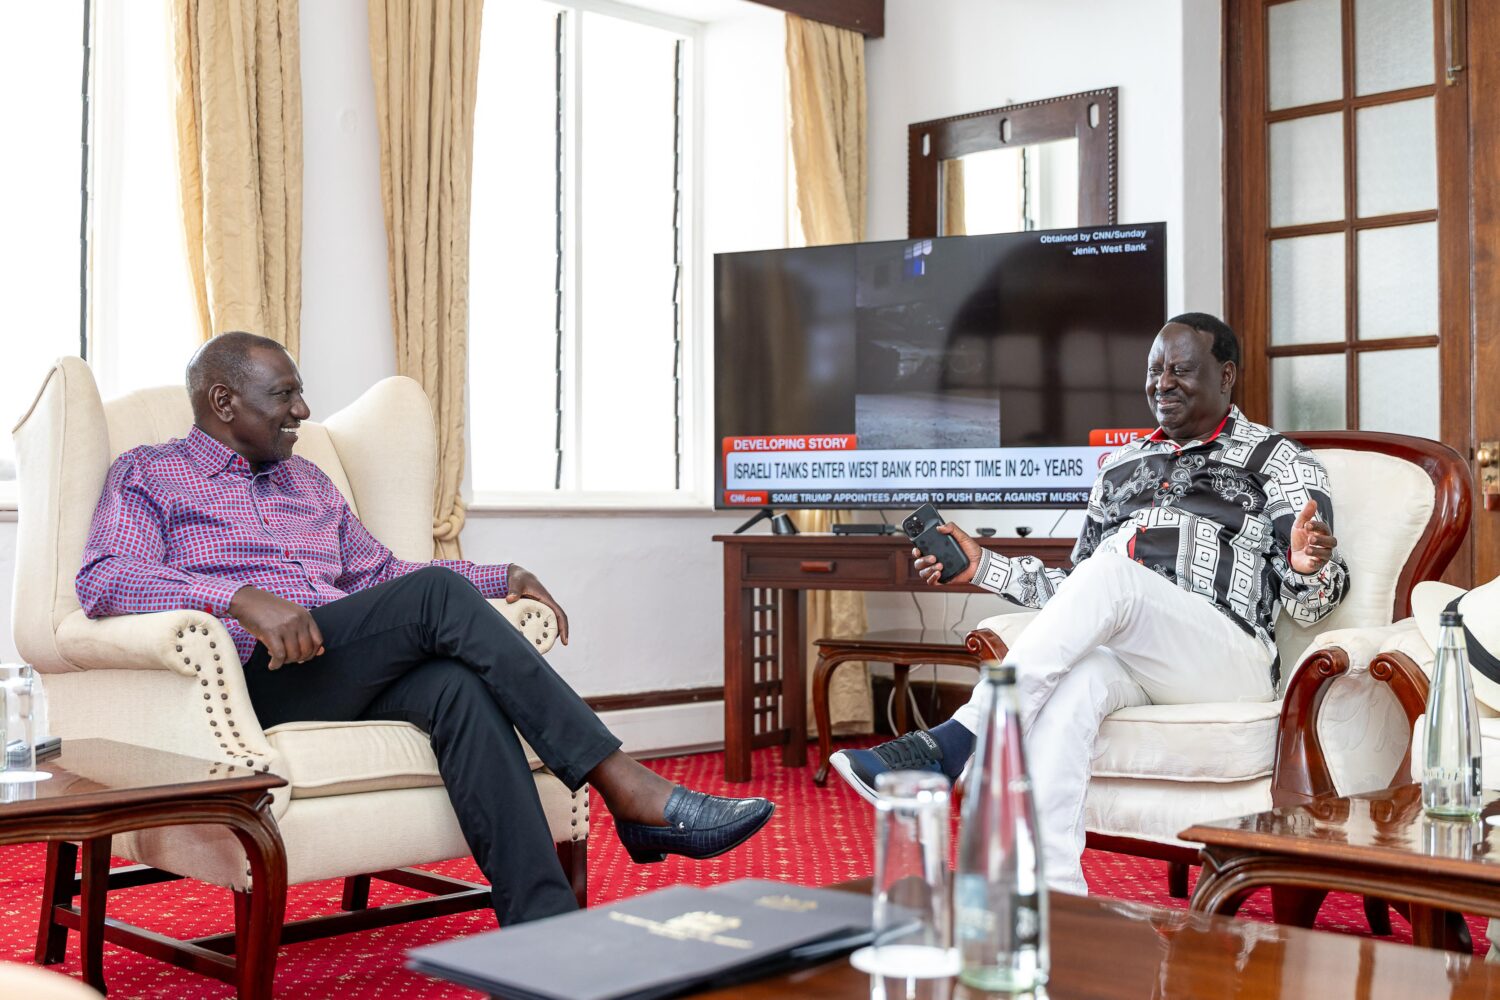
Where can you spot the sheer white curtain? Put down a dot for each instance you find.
(143, 322)
(41, 66)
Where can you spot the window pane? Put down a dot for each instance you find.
(143, 318)
(1398, 281)
(1307, 393)
(1307, 289)
(1397, 162)
(41, 69)
(1307, 170)
(512, 252)
(1306, 50)
(1398, 391)
(1392, 45)
(993, 186)
(625, 256)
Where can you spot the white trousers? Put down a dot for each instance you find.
(1114, 635)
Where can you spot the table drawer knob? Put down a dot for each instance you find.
(817, 565)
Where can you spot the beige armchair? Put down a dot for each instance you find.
(363, 798)
(1402, 510)
(31, 983)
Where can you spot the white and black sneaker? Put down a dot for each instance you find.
(913, 752)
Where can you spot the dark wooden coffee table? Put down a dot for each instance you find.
(100, 788)
(1378, 845)
(1104, 949)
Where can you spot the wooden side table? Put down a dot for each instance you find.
(764, 578)
(1379, 844)
(100, 788)
(901, 647)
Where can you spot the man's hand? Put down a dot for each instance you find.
(1312, 542)
(287, 630)
(927, 566)
(523, 583)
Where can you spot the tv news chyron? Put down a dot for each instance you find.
(962, 371)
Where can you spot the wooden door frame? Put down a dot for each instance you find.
(1247, 213)
(1483, 69)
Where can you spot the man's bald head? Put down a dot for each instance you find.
(223, 360)
(247, 395)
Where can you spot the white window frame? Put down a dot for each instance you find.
(695, 493)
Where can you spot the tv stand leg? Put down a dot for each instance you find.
(738, 672)
(763, 514)
(793, 684)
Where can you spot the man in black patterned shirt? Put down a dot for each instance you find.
(1196, 538)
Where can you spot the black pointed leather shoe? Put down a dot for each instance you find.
(699, 826)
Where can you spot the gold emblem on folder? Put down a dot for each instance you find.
(695, 925)
(787, 904)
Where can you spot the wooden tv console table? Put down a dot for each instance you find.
(765, 701)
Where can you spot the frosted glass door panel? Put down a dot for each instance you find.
(1398, 282)
(1307, 170)
(1397, 158)
(1306, 53)
(1307, 290)
(1392, 45)
(1307, 393)
(1398, 391)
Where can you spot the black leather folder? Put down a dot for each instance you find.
(657, 945)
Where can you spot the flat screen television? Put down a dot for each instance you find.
(965, 371)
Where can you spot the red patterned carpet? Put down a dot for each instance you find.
(818, 836)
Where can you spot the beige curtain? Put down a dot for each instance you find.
(954, 223)
(239, 151)
(826, 77)
(424, 55)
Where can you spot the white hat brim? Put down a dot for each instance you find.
(1429, 600)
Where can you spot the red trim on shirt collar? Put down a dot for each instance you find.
(211, 455)
(1160, 435)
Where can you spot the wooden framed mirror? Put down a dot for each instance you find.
(1047, 164)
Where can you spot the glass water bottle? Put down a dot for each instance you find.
(1451, 769)
(1000, 899)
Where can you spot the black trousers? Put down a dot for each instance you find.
(427, 649)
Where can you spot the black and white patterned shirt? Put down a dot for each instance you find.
(1213, 516)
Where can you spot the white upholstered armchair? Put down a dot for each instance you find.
(1401, 511)
(362, 798)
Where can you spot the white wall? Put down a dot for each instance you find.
(346, 311)
(642, 589)
(948, 57)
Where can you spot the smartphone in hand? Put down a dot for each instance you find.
(921, 526)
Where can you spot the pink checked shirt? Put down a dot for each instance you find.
(185, 524)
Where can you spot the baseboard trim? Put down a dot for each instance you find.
(655, 699)
(683, 751)
(668, 725)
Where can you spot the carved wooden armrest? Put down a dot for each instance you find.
(1409, 684)
(1300, 771)
(986, 645)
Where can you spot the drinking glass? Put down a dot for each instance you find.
(912, 955)
(21, 713)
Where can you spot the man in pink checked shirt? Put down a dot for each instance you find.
(330, 626)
